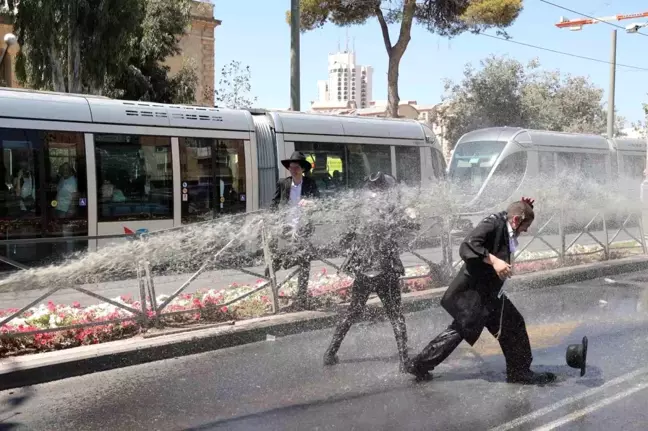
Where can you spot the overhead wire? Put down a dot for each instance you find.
(643, 69)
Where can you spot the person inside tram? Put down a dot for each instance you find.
(67, 192)
(110, 192)
(24, 185)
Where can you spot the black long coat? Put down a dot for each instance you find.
(472, 295)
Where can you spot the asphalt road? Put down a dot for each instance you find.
(281, 384)
(23, 295)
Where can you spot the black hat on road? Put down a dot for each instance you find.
(577, 356)
(297, 157)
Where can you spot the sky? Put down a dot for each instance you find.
(255, 33)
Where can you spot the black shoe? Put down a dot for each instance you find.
(531, 378)
(330, 359)
(420, 374)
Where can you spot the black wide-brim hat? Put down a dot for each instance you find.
(297, 157)
(577, 356)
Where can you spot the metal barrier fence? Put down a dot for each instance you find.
(149, 313)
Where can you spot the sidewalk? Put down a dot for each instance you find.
(158, 345)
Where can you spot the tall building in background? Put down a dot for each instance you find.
(348, 84)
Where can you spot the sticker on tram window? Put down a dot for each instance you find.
(184, 185)
(185, 197)
(137, 234)
(83, 202)
(242, 198)
(54, 204)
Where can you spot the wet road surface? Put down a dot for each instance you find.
(281, 384)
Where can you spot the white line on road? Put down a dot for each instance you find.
(569, 400)
(587, 410)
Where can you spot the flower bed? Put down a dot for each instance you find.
(325, 290)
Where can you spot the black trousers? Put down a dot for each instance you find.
(388, 289)
(513, 339)
(293, 254)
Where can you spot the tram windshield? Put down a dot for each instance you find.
(471, 163)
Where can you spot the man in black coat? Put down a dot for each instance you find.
(293, 193)
(374, 262)
(475, 298)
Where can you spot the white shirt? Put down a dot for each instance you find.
(513, 241)
(295, 193)
(67, 187)
(513, 244)
(293, 202)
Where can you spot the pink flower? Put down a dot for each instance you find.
(50, 306)
(76, 304)
(223, 309)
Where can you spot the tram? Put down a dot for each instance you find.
(484, 157)
(80, 165)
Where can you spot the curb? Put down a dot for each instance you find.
(46, 367)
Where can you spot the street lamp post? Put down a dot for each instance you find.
(10, 39)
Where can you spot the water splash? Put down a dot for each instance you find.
(184, 250)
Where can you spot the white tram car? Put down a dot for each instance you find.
(482, 157)
(78, 165)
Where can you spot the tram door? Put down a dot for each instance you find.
(43, 195)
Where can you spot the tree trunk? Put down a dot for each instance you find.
(73, 51)
(393, 99)
(58, 79)
(396, 52)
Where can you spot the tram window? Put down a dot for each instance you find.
(213, 174)
(438, 164)
(546, 164)
(365, 159)
(134, 177)
(43, 193)
(633, 167)
(408, 165)
(507, 177)
(590, 166)
(329, 163)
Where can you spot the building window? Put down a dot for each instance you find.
(213, 176)
(134, 177)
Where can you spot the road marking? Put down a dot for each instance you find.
(587, 410)
(569, 400)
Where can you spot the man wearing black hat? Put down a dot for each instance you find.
(374, 262)
(292, 193)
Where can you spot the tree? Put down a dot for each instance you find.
(111, 47)
(234, 86)
(145, 77)
(69, 46)
(504, 92)
(444, 17)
